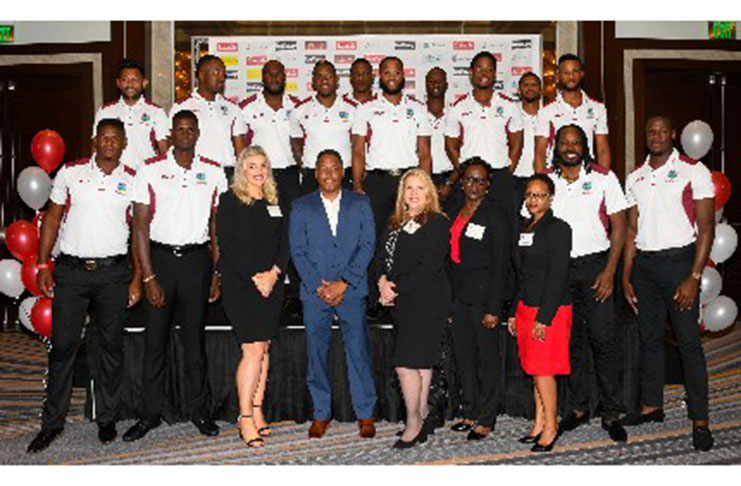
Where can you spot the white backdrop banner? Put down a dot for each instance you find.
(245, 56)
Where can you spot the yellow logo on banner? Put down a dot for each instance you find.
(254, 73)
(230, 60)
(292, 87)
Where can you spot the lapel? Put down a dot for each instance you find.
(343, 220)
(322, 215)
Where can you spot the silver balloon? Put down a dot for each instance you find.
(34, 187)
(724, 244)
(710, 285)
(10, 278)
(720, 314)
(24, 312)
(718, 215)
(697, 138)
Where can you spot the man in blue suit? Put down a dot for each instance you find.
(332, 239)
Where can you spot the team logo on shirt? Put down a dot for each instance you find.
(590, 113)
(145, 117)
(344, 115)
(410, 113)
(672, 174)
(587, 186)
(500, 111)
(201, 178)
(224, 110)
(121, 188)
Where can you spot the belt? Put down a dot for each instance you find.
(668, 252)
(178, 250)
(391, 172)
(590, 256)
(91, 264)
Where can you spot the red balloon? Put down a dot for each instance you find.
(48, 148)
(41, 316)
(722, 189)
(30, 272)
(22, 238)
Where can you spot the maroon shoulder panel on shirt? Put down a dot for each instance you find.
(415, 99)
(505, 97)
(155, 159)
(303, 102)
(349, 100)
(129, 170)
(460, 98)
(209, 161)
(109, 104)
(549, 102)
(598, 168)
(296, 100)
(151, 103)
(77, 162)
(687, 160)
(248, 100)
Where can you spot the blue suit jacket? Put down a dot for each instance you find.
(319, 256)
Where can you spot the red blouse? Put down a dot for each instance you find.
(455, 235)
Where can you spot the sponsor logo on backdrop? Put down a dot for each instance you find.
(315, 45)
(375, 58)
(460, 71)
(256, 60)
(346, 45)
(257, 46)
(286, 45)
(462, 58)
(410, 72)
(522, 44)
(405, 45)
(432, 58)
(499, 84)
(371, 45)
(434, 45)
(314, 58)
(291, 73)
(254, 73)
(227, 47)
(344, 58)
(292, 87)
(252, 87)
(230, 60)
(343, 73)
(497, 56)
(231, 74)
(463, 45)
(410, 85)
(520, 70)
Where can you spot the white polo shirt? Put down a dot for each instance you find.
(179, 200)
(270, 129)
(483, 129)
(391, 131)
(440, 161)
(525, 167)
(665, 199)
(591, 116)
(218, 122)
(323, 128)
(97, 208)
(586, 205)
(145, 123)
(350, 97)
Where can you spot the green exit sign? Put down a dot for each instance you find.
(722, 30)
(6, 34)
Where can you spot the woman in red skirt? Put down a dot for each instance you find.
(541, 319)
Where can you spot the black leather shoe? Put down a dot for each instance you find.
(571, 421)
(529, 439)
(462, 427)
(643, 418)
(206, 426)
(473, 435)
(107, 432)
(615, 430)
(402, 444)
(430, 424)
(702, 439)
(43, 439)
(140, 429)
(537, 447)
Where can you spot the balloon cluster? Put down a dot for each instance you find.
(22, 237)
(718, 311)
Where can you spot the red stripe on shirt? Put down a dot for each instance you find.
(688, 203)
(603, 216)
(213, 199)
(152, 202)
(153, 139)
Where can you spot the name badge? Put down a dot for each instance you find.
(526, 239)
(411, 227)
(274, 212)
(475, 231)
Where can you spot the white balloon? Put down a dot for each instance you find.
(720, 314)
(34, 187)
(24, 312)
(697, 138)
(718, 215)
(724, 244)
(10, 278)
(710, 285)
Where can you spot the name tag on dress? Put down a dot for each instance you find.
(411, 227)
(475, 231)
(526, 239)
(274, 211)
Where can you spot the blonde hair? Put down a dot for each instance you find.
(239, 183)
(400, 216)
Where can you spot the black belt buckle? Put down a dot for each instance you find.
(90, 265)
(395, 172)
(177, 251)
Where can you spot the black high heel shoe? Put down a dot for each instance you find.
(402, 444)
(537, 447)
(529, 439)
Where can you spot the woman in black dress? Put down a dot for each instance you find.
(253, 254)
(414, 248)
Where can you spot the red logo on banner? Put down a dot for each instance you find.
(291, 73)
(315, 45)
(410, 73)
(227, 46)
(375, 58)
(256, 60)
(520, 70)
(346, 45)
(463, 45)
(344, 58)
(497, 56)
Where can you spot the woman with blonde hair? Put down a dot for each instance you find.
(253, 254)
(413, 250)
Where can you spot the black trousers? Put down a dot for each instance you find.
(503, 191)
(478, 360)
(309, 183)
(593, 327)
(186, 281)
(103, 292)
(655, 278)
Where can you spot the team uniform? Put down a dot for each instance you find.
(91, 274)
(525, 167)
(145, 124)
(665, 243)
(180, 202)
(586, 204)
(441, 163)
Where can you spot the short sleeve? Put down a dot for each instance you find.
(295, 130)
(141, 187)
(629, 195)
(423, 123)
(452, 125)
(360, 123)
(59, 188)
(514, 123)
(614, 197)
(543, 124)
(239, 126)
(221, 184)
(161, 124)
(702, 182)
(600, 126)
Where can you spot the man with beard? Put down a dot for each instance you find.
(487, 125)
(146, 123)
(670, 232)
(436, 85)
(529, 89)
(220, 122)
(361, 80)
(322, 122)
(589, 198)
(572, 105)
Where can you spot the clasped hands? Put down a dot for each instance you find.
(386, 291)
(265, 281)
(332, 293)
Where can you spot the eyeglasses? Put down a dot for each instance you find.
(475, 180)
(536, 195)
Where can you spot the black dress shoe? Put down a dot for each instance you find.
(430, 424)
(615, 430)
(529, 439)
(643, 418)
(140, 429)
(571, 421)
(402, 444)
(702, 439)
(537, 447)
(206, 426)
(462, 427)
(473, 435)
(43, 439)
(107, 432)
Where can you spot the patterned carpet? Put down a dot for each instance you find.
(22, 367)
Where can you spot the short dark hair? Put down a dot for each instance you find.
(436, 68)
(587, 157)
(129, 64)
(569, 57)
(110, 122)
(205, 60)
(545, 179)
(475, 161)
(323, 62)
(483, 55)
(360, 60)
(529, 73)
(185, 114)
(666, 118)
(329, 152)
(391, 58)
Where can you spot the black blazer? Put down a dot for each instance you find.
(543, 267)
(481, 276)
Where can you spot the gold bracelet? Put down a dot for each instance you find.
(150, 278)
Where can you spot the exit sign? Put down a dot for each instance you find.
(6, 34)
(722, 30)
